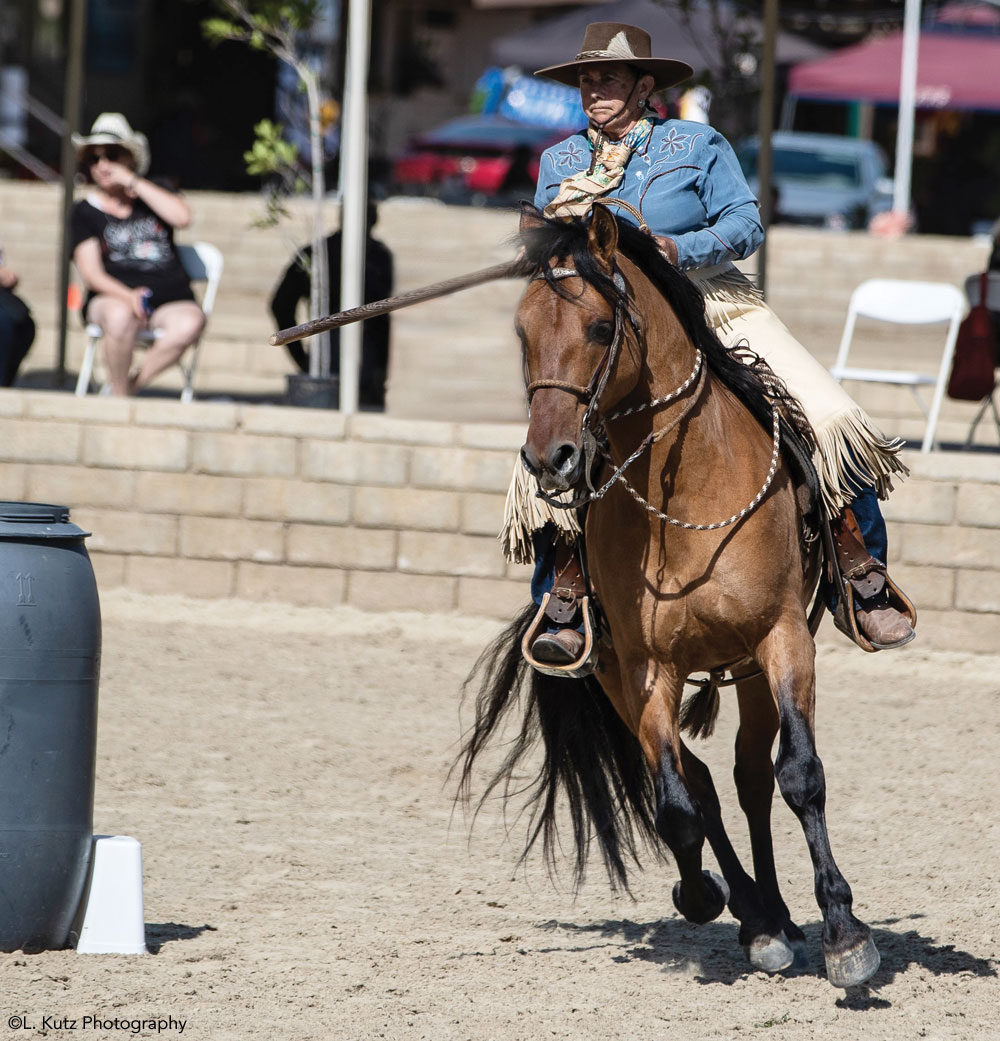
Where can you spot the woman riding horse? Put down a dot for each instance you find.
(680, 182)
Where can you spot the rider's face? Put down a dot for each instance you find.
(611, 93)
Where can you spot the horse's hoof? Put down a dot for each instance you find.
(770, 953)
(717, 896)
(852, 967)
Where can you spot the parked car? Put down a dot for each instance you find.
(475, 159)
(822, 179)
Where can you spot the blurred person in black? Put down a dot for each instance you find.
(295, 285)
(17, 329)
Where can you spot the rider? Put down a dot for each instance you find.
(682, 182)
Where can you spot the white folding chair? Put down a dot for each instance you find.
(905, 303)
(973, 289)
(203, 263)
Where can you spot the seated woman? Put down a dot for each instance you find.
(681, 181)
(122, 238)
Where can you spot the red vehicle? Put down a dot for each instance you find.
(475, 159)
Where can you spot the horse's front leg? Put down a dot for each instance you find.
(699, 895)
(787, 657)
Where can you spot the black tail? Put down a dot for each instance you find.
(590, 757)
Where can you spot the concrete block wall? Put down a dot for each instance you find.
(272, 503)
(309, 508)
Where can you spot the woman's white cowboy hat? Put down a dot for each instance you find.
(112, 128)
(605, 42)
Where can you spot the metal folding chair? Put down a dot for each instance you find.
(203, 263)
(905, 303)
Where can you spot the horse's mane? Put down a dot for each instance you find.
(568, 238)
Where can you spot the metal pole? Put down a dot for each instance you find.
(907, 107)
(766, 126)
(353, 196)
(72, 104)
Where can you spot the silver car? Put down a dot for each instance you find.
(823, 180)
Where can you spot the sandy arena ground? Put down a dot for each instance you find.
(307, 877)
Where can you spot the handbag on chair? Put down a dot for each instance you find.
(972, 369)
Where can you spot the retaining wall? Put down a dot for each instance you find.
(309, 508)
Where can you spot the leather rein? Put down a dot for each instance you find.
(594, 427)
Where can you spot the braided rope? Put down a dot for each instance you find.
(749, 508)
(667, 398)
(573, 388)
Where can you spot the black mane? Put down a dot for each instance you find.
(568, 238)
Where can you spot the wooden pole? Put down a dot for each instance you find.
(73, 96)
(765, 154)
(510, 269)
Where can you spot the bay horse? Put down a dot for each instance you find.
(615, 340)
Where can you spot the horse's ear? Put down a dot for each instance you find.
(602, 234)
(531, 218)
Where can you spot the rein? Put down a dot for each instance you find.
(595, 433)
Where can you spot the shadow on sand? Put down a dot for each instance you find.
(160, 933)
(711, 953)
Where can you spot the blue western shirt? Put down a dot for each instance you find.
(686, 182)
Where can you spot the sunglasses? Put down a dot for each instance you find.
(113, 153)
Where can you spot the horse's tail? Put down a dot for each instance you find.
(701, 709)
(589, 757)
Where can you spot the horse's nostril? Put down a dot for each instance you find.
(564, 458)
(529, 464)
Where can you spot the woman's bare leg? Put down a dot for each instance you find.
(120, 325)
(180, 324)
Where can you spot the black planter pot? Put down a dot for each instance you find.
(305, 391)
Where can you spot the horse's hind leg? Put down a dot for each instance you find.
(787, 658)
(753, 773)
(761, 932)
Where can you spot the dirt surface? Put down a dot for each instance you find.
(306, 875)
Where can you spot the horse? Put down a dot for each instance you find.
(626, 380)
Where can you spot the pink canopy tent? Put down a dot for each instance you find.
(955, 71)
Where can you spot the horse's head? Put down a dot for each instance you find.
(572, 323)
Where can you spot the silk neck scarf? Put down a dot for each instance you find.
(607, 170)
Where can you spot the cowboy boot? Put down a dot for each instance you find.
(883, 615)
(564, 644)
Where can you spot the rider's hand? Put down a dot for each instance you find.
(667, 247)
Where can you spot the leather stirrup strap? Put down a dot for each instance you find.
(865, 574)
(569, 587)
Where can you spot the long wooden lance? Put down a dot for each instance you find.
(510, 269)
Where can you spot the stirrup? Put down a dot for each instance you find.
(846, 620)
(852, 571)
(575, 670)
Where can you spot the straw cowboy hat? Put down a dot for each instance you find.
(605, 42)
(112, 128)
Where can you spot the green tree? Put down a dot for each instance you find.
(276, 26)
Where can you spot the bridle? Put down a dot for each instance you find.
(594, 428)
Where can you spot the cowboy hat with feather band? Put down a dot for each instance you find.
(605, 42)
(112, 128)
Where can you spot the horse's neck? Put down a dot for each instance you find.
(668, 358)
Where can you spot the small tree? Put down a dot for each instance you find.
(276, 26)
(729, 48)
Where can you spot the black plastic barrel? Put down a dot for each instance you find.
(50, 654)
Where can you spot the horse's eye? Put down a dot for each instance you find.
(602, 332)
